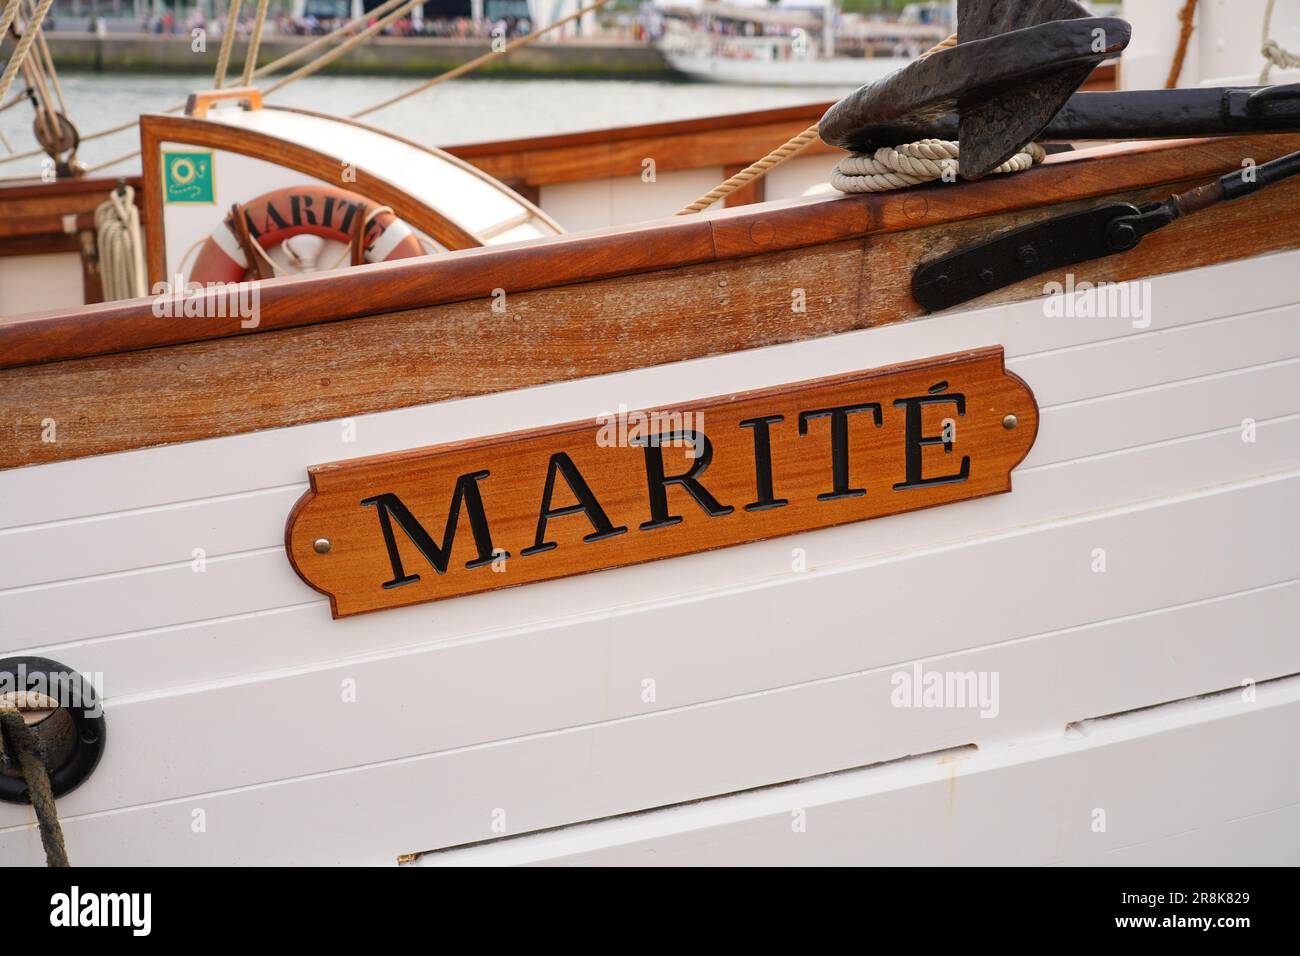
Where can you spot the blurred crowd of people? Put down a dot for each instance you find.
(450, 27)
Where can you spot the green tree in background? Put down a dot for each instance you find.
(872, 6)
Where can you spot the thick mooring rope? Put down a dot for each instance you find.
(897, 167)
(31, 761)
(787, 150)
(1274, 54)
(7, 19)
(30, 32)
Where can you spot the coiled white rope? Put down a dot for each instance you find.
(121, 246)
(1274, 53)
(897, 167)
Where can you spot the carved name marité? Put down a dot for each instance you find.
(513, 509)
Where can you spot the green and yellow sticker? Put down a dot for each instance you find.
(187, 178)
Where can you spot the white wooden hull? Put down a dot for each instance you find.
(527, 709)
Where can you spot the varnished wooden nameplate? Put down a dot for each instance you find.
(628, 487)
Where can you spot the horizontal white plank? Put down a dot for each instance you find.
(1098, 425)
(278, 458)
(1163, 354)
(144, 537)
(745, 642)
(376, 812)
(1032, 805)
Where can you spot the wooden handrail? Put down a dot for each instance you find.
(733, 233)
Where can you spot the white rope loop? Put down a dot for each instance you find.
(121, 246)
(910, 164)
(1275, 55)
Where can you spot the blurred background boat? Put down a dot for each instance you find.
(793, 43)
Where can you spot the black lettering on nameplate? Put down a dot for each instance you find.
(621, 488)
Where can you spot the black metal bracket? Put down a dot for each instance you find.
(73, 745)
(1030, 250)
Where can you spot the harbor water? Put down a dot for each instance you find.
(462, 111)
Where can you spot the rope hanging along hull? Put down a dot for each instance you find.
(31, 761)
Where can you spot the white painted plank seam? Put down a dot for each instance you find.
(826, 568)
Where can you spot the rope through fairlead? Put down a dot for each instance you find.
(910, 164)
(786, 151)
(30, 760)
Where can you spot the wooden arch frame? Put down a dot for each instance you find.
(193, 131)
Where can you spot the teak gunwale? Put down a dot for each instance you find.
(729, 234)
(336, 371)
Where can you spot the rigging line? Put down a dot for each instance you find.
(48, 61)
(255, 43)
(6, 20)
(261, 71)
(24, 44)
(1185, 17)
(785, 151)
(112, 162)
(480, 60)
(294, 55)
(34, 76)
(44, 116)
(227, 41)
(327, 58)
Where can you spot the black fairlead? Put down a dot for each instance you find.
(69, 730)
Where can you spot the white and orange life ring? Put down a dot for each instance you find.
(324, 211)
